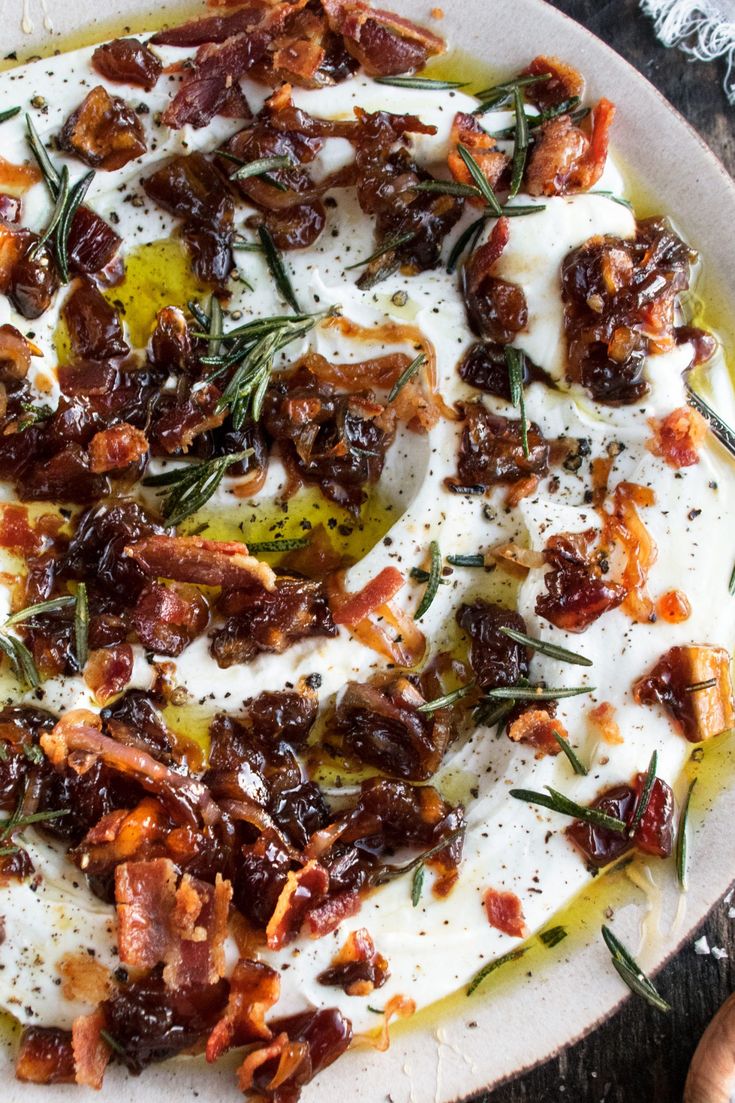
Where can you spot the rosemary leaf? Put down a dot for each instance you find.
(500, 93)
(516, 361)
(449, 187)
(189, 488)
(406, 374)
(278, 545)
(467, 240)
(77, 196)
(518, 210)
(567, 107)
(630, 973)
(427, 84)
(33, 753)
(277, 268)
(520, 144)
(417, 884)
(433, 583)
(466, 560)
(22, 821)
(491, 966)
(557, 802)
(31, 611)
(489, 713)
(49, 173)
(11, 112)
(62, 198)
(615, 198)
(383, 874)
(113, 1043)
(262, 167)
(645, 795)
(21, 660)
(388, 246)
(545, 647)
(483, 184)
(724, 433)
(553, 936)
(216, 327)
(199, 316)
(447, 700)
(33, 414)
(536, 693)
(568, 750)
(81, 626)
(681, 839)
(695, 687)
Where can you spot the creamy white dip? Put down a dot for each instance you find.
(439, 945)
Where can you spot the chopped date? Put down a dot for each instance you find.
(96, 551)
(484, 366)
(104, 131)
(94, 326)
(383, 43)
(358, 969)
(15, 355)
(129, 61)
(576, 595)
(45, 1056)
(315, 1040)
(32, 279)
(654, 834)
(496, 660)
(491, 450)
(168, 617)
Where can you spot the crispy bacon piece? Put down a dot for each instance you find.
(466, 130)
(326, 917)
(358, 969)
(208, 86)
(84, 978)
(218, 28)
(196, 957)
(576, 594)
(116, 448)
(564, 83)
(109, 670)
(491, 450)
(206, 562)
(678, 437)
(91, 1052)
(505, 912)
(79, 730)
(373, 617)
(16, 532)
(129, 61)
(383, 43)
(350, 609)
(45, 1056)
(563, 160)
(602, 717)
(104, 131)
(145, 893)
(15, 180)
(254, 990)
(168, 618)
(681, 682)
(306, 53)
(382, 726)
(496, 308)
(304, 889)
(538, 728)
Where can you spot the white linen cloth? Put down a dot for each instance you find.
(705, 30)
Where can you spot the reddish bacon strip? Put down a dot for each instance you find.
(304, 889)
(254, 990)
(467, 130)
(206, 562)
(678, 437)
(91, 1051)
(505, 913)
(382, 42)
(350, 609)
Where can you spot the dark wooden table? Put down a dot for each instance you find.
(641, 1056)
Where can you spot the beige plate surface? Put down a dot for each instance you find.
(531, 1018)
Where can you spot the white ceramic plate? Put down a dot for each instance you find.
(521, 1021)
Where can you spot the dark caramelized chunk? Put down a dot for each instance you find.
(382, 727)
(66, 477)
(357, 969)
(285, 716)
(151, 1022)
(45, 1056)
(95, 330)
(85, 798)
(599, 845)
(300, 812)
(382, 42)
(170, 341)
(259, 620)
(104, 131)
(314, 1040)
(655, 833)
(326, 436)
(15, 355)
(619, 301)
(576, 594)
(564, 83)
(259, 880)
(700, 712)
(128, 61)
(484, 366)
(491, 450)
(135, 720)
(96, 550)
(93, 243)
(496, 660)
(167, 618)
(496, 308)
(33, 279)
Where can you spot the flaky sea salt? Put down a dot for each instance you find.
(701, 946)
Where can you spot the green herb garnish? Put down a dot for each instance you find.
(467, 240)
(113, 1043)
(516, 361)
(383, 874)
(447, 700)
(449, 187)
(33, 414)
(645, 795)
(631, 973)
(615, 198)
(724, 433)
(695, 687)
(189, 488)
(388, 246)
(489, 713)
(577, 766)
(277, 267)
(31, 611)
(417, 884)
(557, 802)
(262, 167)
(406, 374)
(545, 647)
(520, 144)
(10, 113)
(427, 84)
(432, 584)
(81, 625)
(279, 545)
(483, 184)
(501, 93)
(553, 936)
(681, 839)
(491, 966)
(21, 660)
(536, 693)
(466, 560)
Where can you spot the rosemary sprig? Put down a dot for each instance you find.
(21, 660)
(577, 766)
(447, 700)
(489, 713)
(553, 936)
(544, 647)
(501, 93)
(31, 611)
(427, 84)
(283, 545)
(491, 966)
(262, 167)
(467, 240)
(516, 361)
(388, 246)
(77, 196)
(566, 107)
(520, 144)
(645, 795)
(9, 114)
(557, 802)
(449, 187)
(81, 625)
(188, 488)
(536, 693)
(695, 687)
(724, 432)
(20, 822)
(466, 560)
(432, 585)
(62, 198)
(731, 585)
(631, 973)
(417, 884)
(215, 326)
(389, 873)
(49, 173)
(277, 267)
(681, 839)
(406, 374)
(483, 184)
(614, 198)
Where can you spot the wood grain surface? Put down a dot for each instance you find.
(640, 1055)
